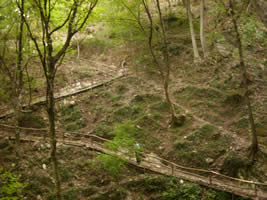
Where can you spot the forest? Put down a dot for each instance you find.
(133, 99)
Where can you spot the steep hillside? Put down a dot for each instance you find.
(214, 136)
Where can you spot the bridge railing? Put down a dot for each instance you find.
(209, 176)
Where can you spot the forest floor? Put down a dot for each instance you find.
(210, 95)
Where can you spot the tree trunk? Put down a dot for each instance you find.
(17, 130)
(18, 82)
(166, 72)
(52, 132)
(194, 43)
(254, 144)
(202, 22)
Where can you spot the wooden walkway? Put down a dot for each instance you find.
(212, 179)
(75, 89)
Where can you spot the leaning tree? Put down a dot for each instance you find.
(54, 16)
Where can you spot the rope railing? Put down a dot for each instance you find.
(211, 177)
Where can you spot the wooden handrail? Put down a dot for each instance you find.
(210, 172)
(166, 170)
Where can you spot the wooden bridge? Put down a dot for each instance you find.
(212, 179)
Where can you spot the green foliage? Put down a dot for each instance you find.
(71, 194)
(89, 191)
(161, 106)
(234, 97)
(124, 140)
(179, 145)
(104, 130)
(10, 187)
(242, 123)
(216, 195)
(31, 120)
(185, 191)
(148, 123)
(122, 19)
(113, 165)
(4, 88)
(204, 94)
(233, 163)
(205, 142)
(65, 173)
(252, 31)
(203, 133)
(127, 112)
(72, 118)
(125, 135)
(98, 44)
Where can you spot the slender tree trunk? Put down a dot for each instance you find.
(52, 132)
(254, 145)
(18, 82)
(202, 32)
(167, 66)
(17, 130)
(194, 43)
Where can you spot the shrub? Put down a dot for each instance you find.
(111, 164)
(10, 187)
(233, 163)
(72, 118)
(184, 192)
(31, 120)
(125, 135)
